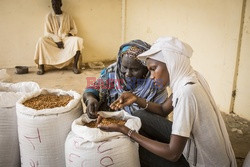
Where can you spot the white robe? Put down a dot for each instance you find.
(196, 115)
(47, 51)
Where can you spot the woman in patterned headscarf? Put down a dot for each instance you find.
(127, 74)
(198, 130)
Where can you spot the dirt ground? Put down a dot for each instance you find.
(238, 128)
(239, 133)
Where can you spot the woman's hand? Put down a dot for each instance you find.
(113, 127)
(92, 108)
(109, 128)
(126, 99)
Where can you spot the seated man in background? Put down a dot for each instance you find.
(59, 47)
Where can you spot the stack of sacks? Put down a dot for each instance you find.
(92, 147)
(10, 93)
(42, 132)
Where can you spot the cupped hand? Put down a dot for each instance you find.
(92, 108)
(112, 128)
(126, 99)
(99, 119)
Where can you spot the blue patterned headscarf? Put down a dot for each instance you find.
(113, 77)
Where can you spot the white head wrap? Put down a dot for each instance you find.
(176, 55)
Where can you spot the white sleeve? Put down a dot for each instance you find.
(184, 115)
(48, 30)
(73, 29)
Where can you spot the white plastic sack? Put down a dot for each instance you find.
(9, 94)
(42, 133)
(4, 77)
(12, 92)
(92, 147)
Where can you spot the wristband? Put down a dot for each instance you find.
(130, 132)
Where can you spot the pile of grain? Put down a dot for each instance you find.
(105, 121)
(45, 101)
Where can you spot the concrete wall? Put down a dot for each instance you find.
(210, 27)
(242, 100)
(22, 23)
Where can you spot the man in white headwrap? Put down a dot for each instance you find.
(59, 47)
(198, 130)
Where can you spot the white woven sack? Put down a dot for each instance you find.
(26, 87)
(92, 147)
(9, 94)
(42, 133)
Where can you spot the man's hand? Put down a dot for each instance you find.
(60, 45)
(126, 99)
(92, 108)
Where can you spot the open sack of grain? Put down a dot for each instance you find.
(44, 121)
(92, 147)
(10, 93)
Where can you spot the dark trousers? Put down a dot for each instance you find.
(157, 128)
